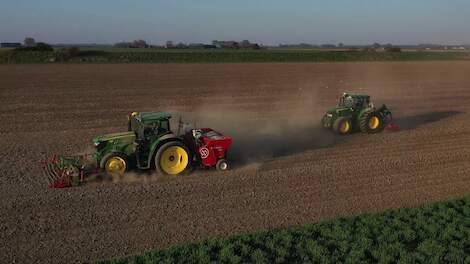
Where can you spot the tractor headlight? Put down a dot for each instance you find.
(329, 115)
(99, 145)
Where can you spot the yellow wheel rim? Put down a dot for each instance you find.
(344, 127)
(174, 160)
(374, 122)
(115, 165)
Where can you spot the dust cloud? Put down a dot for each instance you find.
(257, 138)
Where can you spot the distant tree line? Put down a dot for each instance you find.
(245, 44)
(373, 47)
(138, 44)
(60, 55)
(216, 44)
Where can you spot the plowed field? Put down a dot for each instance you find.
(286, 170)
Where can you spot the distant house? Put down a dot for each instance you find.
(196, 46)
(245, 44)
(328, 46)
(10, 45)
(208, 46)
(135, 44)
(225, 44)
(181, 45)
(201, 46)
(248, 45)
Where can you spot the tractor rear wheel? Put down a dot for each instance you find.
(172, 158)
(371, 122)
(342, 125)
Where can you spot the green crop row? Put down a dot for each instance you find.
(433, 233)
(203, 56)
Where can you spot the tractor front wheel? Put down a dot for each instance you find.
(172, 158)
(371, 122)
(342, 125)
(116, 165)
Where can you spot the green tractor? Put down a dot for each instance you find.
(355, 112)
(148, 143)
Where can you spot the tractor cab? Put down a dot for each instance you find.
(148, 125)
(354, 101)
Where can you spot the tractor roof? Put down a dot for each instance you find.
(355, 95)
(151, 117)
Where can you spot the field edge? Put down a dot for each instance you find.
(433, 232)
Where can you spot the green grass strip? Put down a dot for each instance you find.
(433, 233)
(224, 56)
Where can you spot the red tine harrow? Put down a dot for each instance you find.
(66, 171)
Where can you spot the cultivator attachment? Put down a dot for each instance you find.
(66, 171)
(388, 119)
(392, 127)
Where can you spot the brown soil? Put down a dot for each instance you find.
(286, 170)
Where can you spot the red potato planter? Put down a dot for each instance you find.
(209, 147)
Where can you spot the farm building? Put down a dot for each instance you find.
(10, 44)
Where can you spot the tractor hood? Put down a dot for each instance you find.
(127, 136)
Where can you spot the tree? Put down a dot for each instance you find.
(72, 52)
(140, 44)
(123, 45)
(29, 42)
(181, 45)
(169, 44)
(376, 45)
(40, 46)
(67, 54)
(393, 49)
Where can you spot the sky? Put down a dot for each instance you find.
(269, 22)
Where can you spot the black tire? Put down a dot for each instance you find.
(368, 126)
(161, 150)
(340, 123)
(222, 165)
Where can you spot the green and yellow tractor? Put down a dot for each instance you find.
(148, 143)
(356, 112)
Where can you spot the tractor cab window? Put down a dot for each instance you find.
(156, 128)
(358, 104)
(362, 103)
(346, 102)
(150, 130)
(164, 126)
